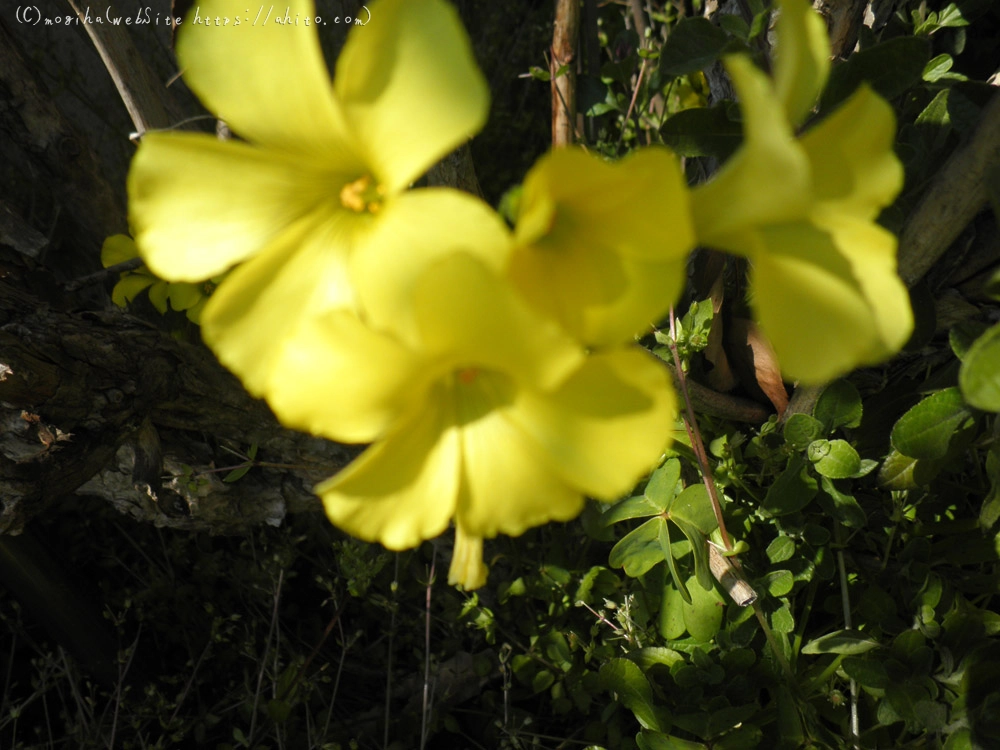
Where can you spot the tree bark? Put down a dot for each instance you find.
(106, 404)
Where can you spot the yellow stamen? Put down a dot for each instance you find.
(362, 195)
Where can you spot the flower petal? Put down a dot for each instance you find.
(267, 80)
(607, 426)
(603, 246)
(259, 306)
(803, 58)
(767, 181)
(507, 486)
(638, 206)
(812, 305)
(468, 316)
(198, 205)
(340, 379)
(467, 568)
(853, 165)
(412, 231)
(410, 87)
(403, 489)
(871, 251)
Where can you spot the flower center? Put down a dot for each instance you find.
(362, 195)
(467, 375)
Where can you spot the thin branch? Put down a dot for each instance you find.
(694, 434)
(146, 100)
(564, 40)
(425, 712)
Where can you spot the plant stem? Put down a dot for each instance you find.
(697, 444)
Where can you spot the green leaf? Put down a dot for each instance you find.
(782, 620)
(989, 514)
(646, 740)
(671, 619)
(694, 506)
(937, 67)
(979, 376)
(639, 550)
(841, 642)
(626, 681)
(663, 484)
(118, 248)
(184, 295)
(835, 459)
(792, 490)
(789, 720)
(926, 430)
(694, 44)
(779, 582)
(800, 430)
(780, 549)
(699, 549)
(901, 472)
(237, 473)
(703, 616)
(951, 17)
(735, 25)
(668, 556)
(651, 656)
(129, 286)
(890, 67)
(639, 506)
(839, 405)
(841, 506)
(963, 335)
(542, 680)
(866, 672)
(539, 74)
(703, 131)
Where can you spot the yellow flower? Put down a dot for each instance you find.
(803, 211)
(602, 247)
(319, 183)
(480, 411)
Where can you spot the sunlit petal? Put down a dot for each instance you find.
(410, 87)
(469, 315)
(601, 246)
(810, 304)
(267, 80)
(412, 231)
(767, 181)
(608, 424)
(403, 489)
(198, 205)
(638, 206)
(871, 251)
(853, 165)
(802, 58)
(257, 309)
(508, 486)
(340, 379)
